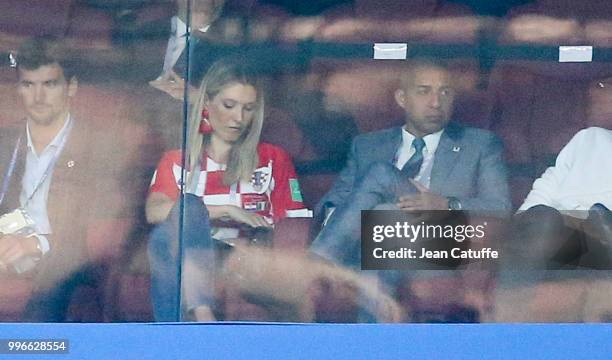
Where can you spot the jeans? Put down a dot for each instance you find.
(198, 261)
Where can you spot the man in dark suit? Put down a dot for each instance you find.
(61, 172)
(203, 14)
(428, 164)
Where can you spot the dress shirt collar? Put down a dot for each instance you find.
(57, 140)
(431, 140)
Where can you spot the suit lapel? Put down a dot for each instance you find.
(67, 173)
(67, 161)
(11, 200)
(387, 151)
(446, 157)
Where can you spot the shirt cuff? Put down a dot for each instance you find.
(44, 244)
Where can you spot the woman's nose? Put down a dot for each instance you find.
(238, 115)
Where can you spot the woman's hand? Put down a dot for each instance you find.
(245, 217)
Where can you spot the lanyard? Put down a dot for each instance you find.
(11, 168)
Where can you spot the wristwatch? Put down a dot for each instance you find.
(454, 203)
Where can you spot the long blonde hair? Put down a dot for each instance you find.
(243, 158)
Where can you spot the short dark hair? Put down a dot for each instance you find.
(419, 63)
(44, 50)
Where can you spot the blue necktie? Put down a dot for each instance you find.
(413, 165)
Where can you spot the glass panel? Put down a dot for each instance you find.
(265, 103)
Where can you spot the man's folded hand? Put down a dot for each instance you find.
(423, 200)
(173, 85)
(14, 247)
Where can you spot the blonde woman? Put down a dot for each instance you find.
(242, 182)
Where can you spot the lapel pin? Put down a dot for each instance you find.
(70, 163)
(456, 148)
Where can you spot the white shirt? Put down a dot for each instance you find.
(176, 43)
(581, 177)
(35, 167)
(406, 150)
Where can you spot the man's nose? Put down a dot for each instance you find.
(434, 100)
(39, 94)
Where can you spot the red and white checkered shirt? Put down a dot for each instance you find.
(273, 190)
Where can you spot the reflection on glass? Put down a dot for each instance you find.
(101, 106)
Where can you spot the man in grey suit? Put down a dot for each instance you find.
(428, 164)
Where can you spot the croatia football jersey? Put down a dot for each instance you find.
(272, 191)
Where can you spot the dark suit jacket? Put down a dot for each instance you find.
(468, 165)
(83, 186)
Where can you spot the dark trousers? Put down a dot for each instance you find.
(543, 241)
(339, 240)
(52, 305)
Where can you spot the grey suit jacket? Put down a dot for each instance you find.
(468, 165)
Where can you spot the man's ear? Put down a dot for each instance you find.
(73, 86)
(400, 98)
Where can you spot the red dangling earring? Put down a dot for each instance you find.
(205, 127)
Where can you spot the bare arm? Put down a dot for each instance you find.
(158, 207)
